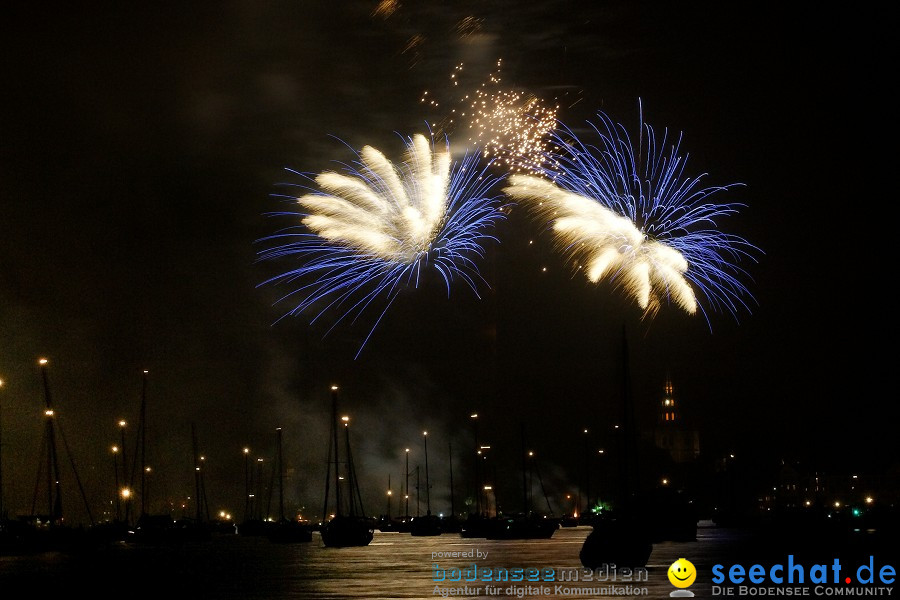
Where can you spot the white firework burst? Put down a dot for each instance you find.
(607, 245)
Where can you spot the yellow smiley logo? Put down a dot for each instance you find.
(682, 573)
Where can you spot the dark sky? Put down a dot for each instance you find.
(141, 147)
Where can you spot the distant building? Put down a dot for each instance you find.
(671, 433)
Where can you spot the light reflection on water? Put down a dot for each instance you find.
(394, 565)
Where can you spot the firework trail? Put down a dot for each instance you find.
(628, 213)
(508, 125)
(368, 233)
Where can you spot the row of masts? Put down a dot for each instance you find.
(348, 498)
(48, 489)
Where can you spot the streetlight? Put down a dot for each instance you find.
(246, 483)
(115, 453)
(407, 484)
(389, 494)
(122, 425)
(478, 491)
(587, 474)
(487, 505)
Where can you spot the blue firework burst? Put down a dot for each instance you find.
(363, 235)
(624, 209)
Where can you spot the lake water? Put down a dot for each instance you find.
(394, 565)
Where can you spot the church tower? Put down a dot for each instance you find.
(667, 411)
(672, 434)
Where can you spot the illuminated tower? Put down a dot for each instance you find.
(672, 434)
(667, 410)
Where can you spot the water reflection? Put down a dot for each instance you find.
(394, 565)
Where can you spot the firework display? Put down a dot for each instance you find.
(509, 125)
(364, 235)
(623, 210)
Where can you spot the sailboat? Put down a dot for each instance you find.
(621, 537)
(429, 524)
(351, 527)
(284, 530)
(528, 524)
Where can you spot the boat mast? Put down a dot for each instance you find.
(406, 495)
(452, 501)
(351, 500)
(478, 486)
(198, 500)
(629, 443)
(334, 436)
(524, 474)
(355, 494)
(280, 477)
(2, 513)
(427, 481)
(143, 439)
(54, 491)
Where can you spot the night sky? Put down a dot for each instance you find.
(141, 148)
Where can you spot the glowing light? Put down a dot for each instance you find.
(385, 8)
(508, 125)
(42, 361)
(869, 499)
(628, 213)
(366, 235)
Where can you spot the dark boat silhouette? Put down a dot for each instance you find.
(451, 524)
(429, 524)
(350, 527)
(426, 525)
(476, 525)
(50, 531)
(528, 524)
(284, 530)
(622, 540)
(623, 536)
(522, 526)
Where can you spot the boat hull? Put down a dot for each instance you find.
(345, 531)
